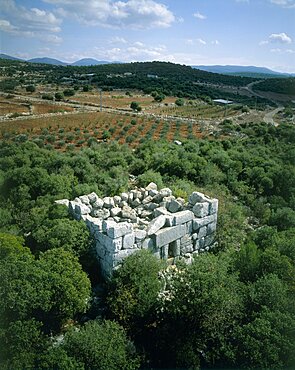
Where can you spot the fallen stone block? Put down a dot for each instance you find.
(84, 199)
(108, 202)
(64, 202)
(153, 192)
(197, 197)
(92, 197)
(165, 192)
(147, 200)
(174, 206)
(124, 197)
(156, 224)
(151, 186)
(117, 200)
(98, 203)
(82, 209)
(160, 211)
(101, 213)
(115, 211)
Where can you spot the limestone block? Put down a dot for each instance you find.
(108, 202)
(157, 255)
(164, 251)
(174, 248)
(98, 203)
(186, 249)
(151, 206)
(202, 232)
(119, 229)
(169, 220)
(143, 222)
(108, 224)
(201, 209)
(119, 257)
(186, 239)
(110, 244)
(168, 235)
(84, 199)
(115, 211)
(174, 206)
(197, 197)
(151, 186)
(82, 209)
(148, 243)
(213, 206)
(101, 213)
(199, 222)
(96, 225)
(92, 197)
(117, 200)
(189, 227)
(211, 228)
(157, 198)
(128, 241)
(165, 192)
(72, 206)
(64, 202)
(147, 200)
(124, 197)
(123, 203)
(136, 202)
(153, 192)
(130, 197)
(128, 212)
(139, 234)
(209, 240)
(146, 214)
(156, 224)
(160, 211)
(182, 217)
(195, 236)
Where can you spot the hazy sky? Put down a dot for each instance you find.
(243, 32)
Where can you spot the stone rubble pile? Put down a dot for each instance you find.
(147, 218)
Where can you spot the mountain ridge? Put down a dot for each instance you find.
(239, 70)
(246, 71)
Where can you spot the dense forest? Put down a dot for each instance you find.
(232, 308)
(278, 85)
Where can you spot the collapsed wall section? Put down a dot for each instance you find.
(147, 218)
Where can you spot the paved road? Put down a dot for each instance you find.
(268, 117)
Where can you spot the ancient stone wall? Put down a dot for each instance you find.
(147, 218)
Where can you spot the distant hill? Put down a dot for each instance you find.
(56, 62)
(46, 60)
(89, 62)
(5, 56)
(244, 71)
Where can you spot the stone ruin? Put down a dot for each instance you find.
(147, 218)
